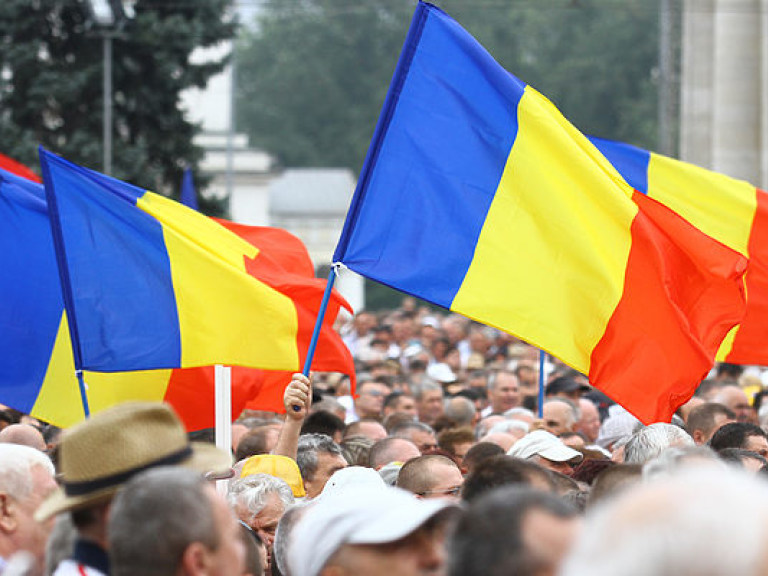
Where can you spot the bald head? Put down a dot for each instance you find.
(23, 434)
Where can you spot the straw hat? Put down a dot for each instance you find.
(99, 455)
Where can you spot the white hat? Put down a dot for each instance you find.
(358, 515)
(441, 372)
(542, 443)
(350, 477)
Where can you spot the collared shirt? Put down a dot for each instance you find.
(88, 559)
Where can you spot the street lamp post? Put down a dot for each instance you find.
(109, 16)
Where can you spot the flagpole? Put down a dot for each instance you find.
(319, 324)
(66, 285)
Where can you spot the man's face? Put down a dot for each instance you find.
(229, 558)
(406, 405)
(265, 522)
(425, 441)
(431, 406)
(421, 553)
(447, 482)
(549, 538)
(561, 467)
(505, 394)
(557, 417)
(28, 534)
(757, 444)
(589, 424)
(370, 400)
(327, 464)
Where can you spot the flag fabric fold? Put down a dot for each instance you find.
(729, 210)
(153, 284)
(479, 196)
(37, 375)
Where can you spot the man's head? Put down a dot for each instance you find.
(588, 423)
(26, 479)
(400, 403)
(705, 419)
(456, 441)
(374, 531)
(391, 450)
(318, 458)
(565, 387)
(503, 391)
(735, 399)
(429, 402)
(512, 530)
(659, 527)
(741, 435)
(260, 501)
(431, 476)
(171, 522)
(370, 400)
(502, 470)
(650, 441)
(461, 411)
(422, 435)
(546, 450)
(369, 428)
(24, 434)
(560, 415)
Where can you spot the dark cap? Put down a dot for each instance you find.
(564, 384)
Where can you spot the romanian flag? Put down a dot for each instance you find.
(729, 210)
(37, 375)
(479, 196)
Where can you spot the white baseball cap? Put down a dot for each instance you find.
(361, 514)
(542, 443)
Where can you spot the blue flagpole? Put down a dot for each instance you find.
(188, 195)
(542, 361)
(318, 324)
(66, 285)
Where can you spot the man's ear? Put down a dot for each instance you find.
(8, 521)
(698, 437)
(195, 560)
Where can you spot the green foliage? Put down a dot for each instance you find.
(51, 87)
(312, 74)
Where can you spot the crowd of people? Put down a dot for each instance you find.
(441, 462)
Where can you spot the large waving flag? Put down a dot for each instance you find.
(37, 375)
(479, 196)
(153, 284)
(729, 210)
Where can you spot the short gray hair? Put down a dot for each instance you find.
(650, 441)
(309, 447)
(251, 493)
(16, 463)
(461, 410)
(155, 517)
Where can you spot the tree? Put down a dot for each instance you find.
(51, 84)
(312, 74)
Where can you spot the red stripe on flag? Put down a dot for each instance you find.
(749, 345)
(677, 306)
(14, 167)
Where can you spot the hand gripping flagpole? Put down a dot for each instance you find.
(319, 323)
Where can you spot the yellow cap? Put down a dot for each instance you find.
(279, 466)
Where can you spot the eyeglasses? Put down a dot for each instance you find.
(447, 492)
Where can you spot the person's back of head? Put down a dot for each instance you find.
(480, 452)
(323, 422)
(252, 544)
(613, 480)
(391, 450)
(165, 520)
(705, 419)
(24, 434)
(504, 470)
(512, 530)
(702, 521)
(650, 441)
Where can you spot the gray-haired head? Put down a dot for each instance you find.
(248, 496)
(310, 445)
(650, 441)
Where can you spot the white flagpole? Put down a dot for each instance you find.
(223, 407)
